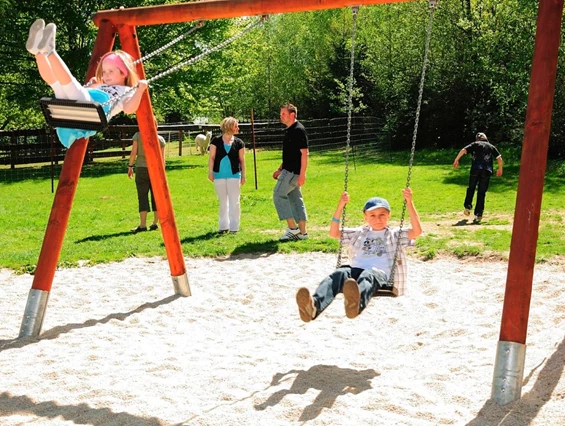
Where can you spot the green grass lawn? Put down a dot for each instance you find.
(105, 209)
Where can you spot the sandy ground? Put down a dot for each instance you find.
(119, 348)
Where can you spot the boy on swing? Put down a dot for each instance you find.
(372, 251)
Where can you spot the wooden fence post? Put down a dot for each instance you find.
(181, 140)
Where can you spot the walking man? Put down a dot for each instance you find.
(482, 153)
(291, 176)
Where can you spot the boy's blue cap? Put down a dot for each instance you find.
(375, 203)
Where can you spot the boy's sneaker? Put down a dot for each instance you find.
(291, 235)
(351, 298)
(35, 36)
(47, 43)
(303, 236)
(477, 219)
(306, 307)
(467, 212)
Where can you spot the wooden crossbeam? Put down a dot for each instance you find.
(220, 9)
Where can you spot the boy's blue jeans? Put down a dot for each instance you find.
(369, 280)
(287, 197)
(480, 178)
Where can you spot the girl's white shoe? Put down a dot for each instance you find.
(47, 43)
(35, 36)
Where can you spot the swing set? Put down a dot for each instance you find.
(92, 115)
(510, 358)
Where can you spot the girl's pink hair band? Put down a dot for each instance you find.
(117, 61)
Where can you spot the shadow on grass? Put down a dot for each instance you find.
(202, 237)
(257, 249)
(105, 169)
(232, 247)
(467, 222)
(253, 249)
(92, 170)
(186, 240)
(104, 237)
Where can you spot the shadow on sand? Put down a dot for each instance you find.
(332, 381)
(57, 331)
(527, 408)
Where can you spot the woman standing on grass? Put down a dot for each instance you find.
(142, 182)
(226, 168)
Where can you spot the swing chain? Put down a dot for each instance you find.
(414, 135)
(208, 51)
(190, 61)
(354, 11)
(174, 41)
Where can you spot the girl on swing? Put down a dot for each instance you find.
(115, 74)
(372, 250)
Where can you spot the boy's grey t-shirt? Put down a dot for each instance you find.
(372, 253)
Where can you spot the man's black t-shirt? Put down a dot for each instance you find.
(295, 139)
(483, 154)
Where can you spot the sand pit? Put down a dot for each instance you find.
(118, 348)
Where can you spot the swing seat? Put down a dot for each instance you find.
(386, 292)
(71, 114)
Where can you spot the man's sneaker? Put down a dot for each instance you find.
(291, 235)
(477, 219)
(47, 43)
(303, 236)
(306, 307)
(35, 36)
(467, 212)
(351, 298)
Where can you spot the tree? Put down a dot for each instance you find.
(477, 78)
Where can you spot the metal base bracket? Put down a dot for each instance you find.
(181, 286)
(34, 313)
(508, 372)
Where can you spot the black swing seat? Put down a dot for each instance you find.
(386, 292)
(74, 114)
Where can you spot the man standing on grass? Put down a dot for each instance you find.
(291, 176)
(482, 153)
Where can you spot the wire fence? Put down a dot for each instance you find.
(31, 154)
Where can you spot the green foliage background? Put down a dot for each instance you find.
(477, 79)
